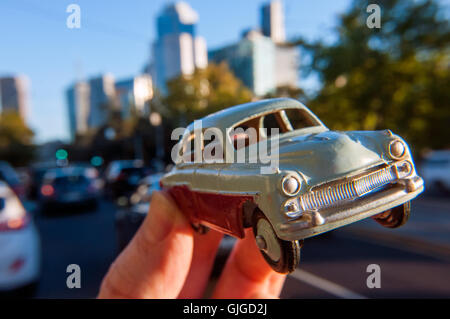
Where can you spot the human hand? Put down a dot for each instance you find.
(167, 259)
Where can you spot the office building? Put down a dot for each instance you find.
(262, 60)
(177, 50)
(251, 60)
(90, 103)
(78, 107)
(287, 61)
(133, 95)
(102, 100)
(272, 21)
(14, 95)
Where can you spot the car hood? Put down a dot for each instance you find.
(330, 155)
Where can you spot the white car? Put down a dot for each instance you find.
(436, 170)
(20, 252)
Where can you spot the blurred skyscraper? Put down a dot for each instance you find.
(252, 60)
(90, 103)
(78, 104)
(102, 99)
(272, 21)
(262, 60)
(14, 95)
(177, 49)
(133, 94)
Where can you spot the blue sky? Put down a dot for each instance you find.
(115, 37)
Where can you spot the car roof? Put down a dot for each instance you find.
(64, 171)
(137, 163)
(229, 117)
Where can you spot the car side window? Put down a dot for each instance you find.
(300, 119)
(248, 133)
(275, 124)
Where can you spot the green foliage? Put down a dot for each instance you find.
(206, 91)
(395, 77)
(15, 140)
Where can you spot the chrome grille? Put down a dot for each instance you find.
(357, 187)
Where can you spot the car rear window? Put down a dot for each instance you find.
(73, 179)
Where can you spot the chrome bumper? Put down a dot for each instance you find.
(312, 223)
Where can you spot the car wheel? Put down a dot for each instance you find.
(394, 217)
(283, 256)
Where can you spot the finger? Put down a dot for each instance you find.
(247, 274)
(205, 249)
(156, 262)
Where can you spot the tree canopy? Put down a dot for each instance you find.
(15, 139)
(206, 91)
(394, 77)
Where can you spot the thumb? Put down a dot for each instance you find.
(156, 262)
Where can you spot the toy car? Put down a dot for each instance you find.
(323, 179)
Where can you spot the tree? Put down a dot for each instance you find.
(15, 140)
(206, 91)
(395, 77)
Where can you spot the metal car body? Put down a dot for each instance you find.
(324, 179)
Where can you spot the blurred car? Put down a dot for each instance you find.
(68, 186)
(436, 170)
(10, 177)
(122, 177)
(36, 174)
(129, 218)
(20, 253)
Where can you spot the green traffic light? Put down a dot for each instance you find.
(96, 161)
(61, 154)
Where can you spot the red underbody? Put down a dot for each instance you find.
(217, 211)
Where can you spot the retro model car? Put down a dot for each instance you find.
(323, 179)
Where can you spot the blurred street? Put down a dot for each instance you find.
(84, 238)
(414, 259)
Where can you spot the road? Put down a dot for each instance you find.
(414, 261)
(85, 238)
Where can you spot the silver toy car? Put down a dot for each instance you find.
(321, 179)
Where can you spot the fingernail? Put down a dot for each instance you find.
(162, 218)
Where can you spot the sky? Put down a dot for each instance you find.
(115, 37)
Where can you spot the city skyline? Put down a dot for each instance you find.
(97, 50)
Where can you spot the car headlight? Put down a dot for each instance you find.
(290, 185)
(397, 149)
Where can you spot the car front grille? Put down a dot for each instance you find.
(338, 192)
